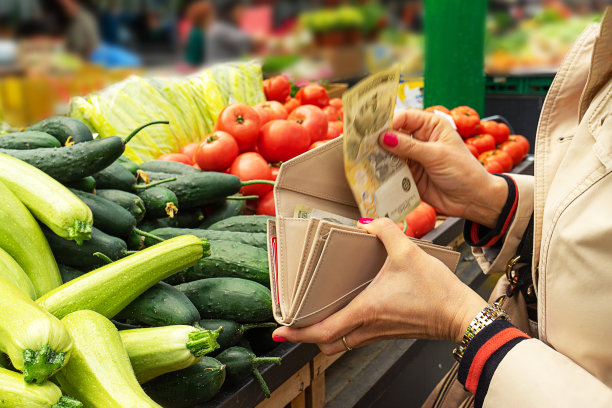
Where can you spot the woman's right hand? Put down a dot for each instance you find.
(447, 175)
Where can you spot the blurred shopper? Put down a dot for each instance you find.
(82, 35)
(199, 15)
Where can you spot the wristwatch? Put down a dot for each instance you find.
(487, 316)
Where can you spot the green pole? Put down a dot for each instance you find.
(454, 53)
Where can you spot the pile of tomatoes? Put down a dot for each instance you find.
(251, 141)
(490, 142)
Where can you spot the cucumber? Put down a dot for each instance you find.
(82, 256)
(49, 201)
(229, 298)
(115, 176)
(23, 240)
(135, 241)
(241, 363)
(111, 288)
(149, 225)
(87, 184)
(36, 342)
(261, 340)
(232, 331)
(156, 351)
(189, 218)
(243, 223)
(170, 167)
(226, 209)
(128, 164)
(12, 272)
(68, 273)
(124, 326)
(188, 387)
(258, 240)
(109, 217)
(159, 202)
(27, 140)
(160, 305)
(129, 201)
(16, 393)
(99, 372)
(231, 260)
(63, 127)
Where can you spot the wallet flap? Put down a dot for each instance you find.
(291, 236)
(274, 271)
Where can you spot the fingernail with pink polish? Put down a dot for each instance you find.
(279, 339)
(365, 220)
(390, 140)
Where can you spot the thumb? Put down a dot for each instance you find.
(407, 147)
(390, 235)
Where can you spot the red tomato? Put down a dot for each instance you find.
(494, 167)
(341, 113)
(503, 131)
(216, 152)
(264, 116)
(312, 119)
(522, 140)
(422, 219)
(176, 157)
(281, 140)
(266, 205)
(274, 171)
(275, 110)
(313, 94)
(291, 104)
(334, 129)
(317, 144)
(336, 103)
(240, 121)
(331, 113)
(251, 166)
(499, 131)
(403, 225)
(440, 108)
(467, 121)
(499, 156)
(514, 150)
(483, 143)
(473, 149)
(189, 150)
(277, 88)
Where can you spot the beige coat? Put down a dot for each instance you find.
(571, 194)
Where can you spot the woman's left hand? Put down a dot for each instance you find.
(413, 296)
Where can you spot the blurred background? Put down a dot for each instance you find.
(52, 50)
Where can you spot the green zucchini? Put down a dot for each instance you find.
(230, 260)
(225, 209)
(129, 201)
(115, 176)
(14, 393)
(109, 217)
(188, 387)
(255, 239)
(63, 127)
(68, 273)
(232, 331)
(236, 299)
(135, 241)
(155, 351)
(128, 164)
(37, 343)
(27, 140)
(99, 372)
(111, 288)
(170, 167)
(23, 240)
(240, 363)
(87, 184)
(159, 202)
(11, 271)
(160, 305)
(82, 256)
(124, 326)
(243, 223)
(50, 202)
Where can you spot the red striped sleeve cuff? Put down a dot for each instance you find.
(484, 353)
(481, 236)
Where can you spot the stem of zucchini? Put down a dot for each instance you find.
(257, 361)
(103, 257)
(262, 383)
(155, 183)
(41, 364)
(67, 402)
(251, 182)
(245, 327)
(81, 231)
(138, 129)
(202, 342)
(241, 197)
(205, 248)
(148, 235)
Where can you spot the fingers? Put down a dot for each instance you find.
(392, 237)
(407, 147)
(418, 123)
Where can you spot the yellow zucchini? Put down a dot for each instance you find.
(15, 393)
(11, 271)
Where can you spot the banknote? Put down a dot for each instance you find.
(382, 183)
(304, 211)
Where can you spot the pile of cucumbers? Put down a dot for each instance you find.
(147, 276)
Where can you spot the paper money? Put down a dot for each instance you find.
(304, 211)
(382, 183)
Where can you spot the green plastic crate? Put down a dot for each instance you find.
(537, 85)
(504, 85)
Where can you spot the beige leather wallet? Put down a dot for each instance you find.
(318, 266)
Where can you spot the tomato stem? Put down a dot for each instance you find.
(240, 119)
(251, 182)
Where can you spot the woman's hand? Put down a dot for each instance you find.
(413, 296)
(447, 175)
